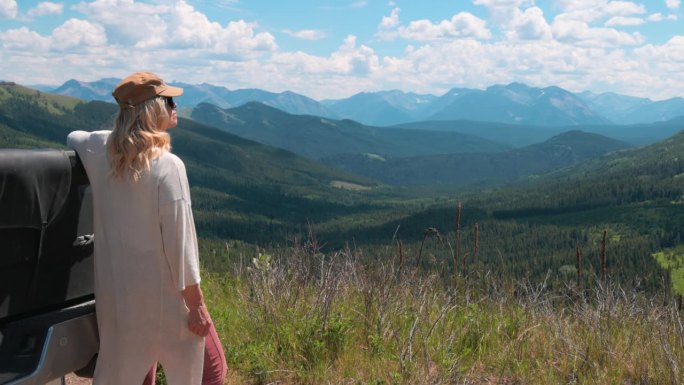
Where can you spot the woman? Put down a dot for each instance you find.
(147, 285)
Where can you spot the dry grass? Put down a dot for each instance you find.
(305, 317)
(299, 316)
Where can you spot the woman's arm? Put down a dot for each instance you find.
(199, 320)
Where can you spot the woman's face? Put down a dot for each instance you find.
(171, 110)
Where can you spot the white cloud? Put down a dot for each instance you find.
(665, 65)
(306, 34)
(439, 65)
(673, 4)
(347, 60)
(473, 64)
(580, 33)
(391, 21)
(8, 9)
(46, 8)
(659, 17)
(76, 33)
(148, 26)
(131, 23)
(579, 5)
(23, 39)
(461, 25)
(590, 11)
(582, 48)
(528, 25)
(353, 60)
(580, 22)
(624, 8)
(358, 4)
(669, 55)
(502, 11)
(589, 15)
(621, 21)
(502, 6)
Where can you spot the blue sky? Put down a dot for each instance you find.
(334, 49)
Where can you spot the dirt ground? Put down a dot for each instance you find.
(72, 379)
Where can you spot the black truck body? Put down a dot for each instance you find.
(47, 308)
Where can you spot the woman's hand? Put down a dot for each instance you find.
(199, 320)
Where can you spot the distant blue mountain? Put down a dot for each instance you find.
(382, 108)
(287, 101)
(659, 111)
(623, 109)
(315, 137)
(195, 94)
(98, 90)
(614, 107)
(515, 103)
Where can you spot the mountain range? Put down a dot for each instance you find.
(514, 135)
(457, 153)
(458, 170)
(316, 137)
(426, 155)
(514, 103)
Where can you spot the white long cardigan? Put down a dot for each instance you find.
(145, 255)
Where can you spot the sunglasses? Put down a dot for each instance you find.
(170, 102)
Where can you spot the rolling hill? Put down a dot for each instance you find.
(461, 170)
(535, 227)
(241, 189)
(524, 135)
(316, 137)
(514, 135)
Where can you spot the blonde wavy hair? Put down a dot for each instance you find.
(137, 138)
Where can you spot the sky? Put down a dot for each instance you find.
(335, 49)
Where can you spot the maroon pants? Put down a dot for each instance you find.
(215, 367)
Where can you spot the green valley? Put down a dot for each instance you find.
(261, 195)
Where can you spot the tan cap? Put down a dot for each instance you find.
(140, 86)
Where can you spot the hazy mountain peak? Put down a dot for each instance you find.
(514, 103)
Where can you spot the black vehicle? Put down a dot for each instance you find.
(47, 309)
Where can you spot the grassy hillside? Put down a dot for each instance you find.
(461, 170)
(241, 189)
(536, 228)
(295, 316)
(315, 137)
